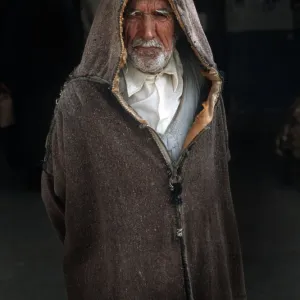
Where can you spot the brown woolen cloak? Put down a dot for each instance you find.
(134, 225)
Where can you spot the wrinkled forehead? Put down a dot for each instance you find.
(149, 4)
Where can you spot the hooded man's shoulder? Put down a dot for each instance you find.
(77, 93)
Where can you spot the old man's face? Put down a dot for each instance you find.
(149, 34)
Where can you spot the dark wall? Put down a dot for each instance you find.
(41, 42)
(263, 69)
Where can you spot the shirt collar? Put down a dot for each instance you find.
(135, 79)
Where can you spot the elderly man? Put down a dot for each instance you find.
(136, 168)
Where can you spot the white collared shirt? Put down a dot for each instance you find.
(156, 97)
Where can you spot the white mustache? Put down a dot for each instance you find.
(146, 44)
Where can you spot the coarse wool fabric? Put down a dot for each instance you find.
(107, 183)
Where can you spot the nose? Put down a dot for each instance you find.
(148, 28)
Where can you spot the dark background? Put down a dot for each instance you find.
(41, 42)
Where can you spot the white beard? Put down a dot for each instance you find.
(153, 63)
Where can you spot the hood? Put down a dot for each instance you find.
(105, 55)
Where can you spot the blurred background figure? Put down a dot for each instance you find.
(7, 121)
(7, 118)
(288, 146)
(87, 12)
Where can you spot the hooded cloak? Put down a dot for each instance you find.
(135, 225)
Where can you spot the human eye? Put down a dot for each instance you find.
(134, 14)
(161, 14)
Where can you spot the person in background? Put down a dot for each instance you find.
(288, 146)
(87, 10)
(7, 118)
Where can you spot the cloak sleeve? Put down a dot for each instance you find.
(53, 176)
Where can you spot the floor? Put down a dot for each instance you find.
(269, 223)
(30, 253)
(267, 213)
